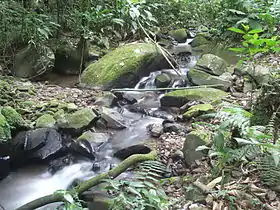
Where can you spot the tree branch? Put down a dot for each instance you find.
(113, 173)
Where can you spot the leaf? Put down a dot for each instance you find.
(214, 182)
(43, 32)
(201, 148)
(237, 49)
(118, 21)
(219, 141)
(238, 12)
(68, 197)
(236, 30)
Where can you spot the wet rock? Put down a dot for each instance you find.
(174, 127)
(180, 35)
(178, 155)
(39, 143)
(31, 61)
(113, 119)
(156, 129)
(192, 141)
(199, 39)
(45, 121)
(60, 162)
(182, 48)
(68, 57)
(197, 110)
(77, 120)
(108, 100)
(89, 143)
(162, 80)
(198, 77)
(212, 64)
(135, 149)
(178, 98)
(162, 114)
(4, 166)
(124, 66)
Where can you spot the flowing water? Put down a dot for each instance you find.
(34, 181)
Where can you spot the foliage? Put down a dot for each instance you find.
(253, 43)
(71, 202)
(142, 193)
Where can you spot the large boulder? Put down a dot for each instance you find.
(124, 66)
(212, 64)
(68, 57)
(31, 61)
(132, 150)
(39, 143)
(178, 98)
(162, 80)
(259, 73)
(199, 40)
(198, 109)
(198, 77)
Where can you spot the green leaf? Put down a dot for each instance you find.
(236, 30)
(256, 31)
(219, 141)
(241, 50)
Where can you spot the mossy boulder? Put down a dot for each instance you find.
(45, 121)
(212, 64)
(192, 141)
(199, 40)
(13, 118)
(124, 66)
(5, 129)
(162, 80)
(199, 77)
(180, 35)
(178, 98)
(77, 120)
(198, 109)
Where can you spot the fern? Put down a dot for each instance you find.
(143, 192)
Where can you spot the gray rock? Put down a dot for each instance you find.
(259, 73)
(5, 166)
(199, 39)
(132, 150)
(180, 35)
(192, 141)
(113, 119)
(89, 143)
(156, 130)
(198, 77)
(174, 127)
(107, 100)
(212, 64)
(40, 143)
(30, 62)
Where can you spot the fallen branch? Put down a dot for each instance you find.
(113, 173)
(162, 89)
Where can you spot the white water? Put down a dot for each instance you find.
(34, 182)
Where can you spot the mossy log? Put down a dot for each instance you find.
(113, 173)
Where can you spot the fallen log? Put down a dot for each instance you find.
(83, 186)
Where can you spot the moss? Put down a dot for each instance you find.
(179, 35)
(203, 94)
(13, 118)
(76, 120)
(123, 60)
(196, 110)
(45, 121)
(59, 114)
(5, 129)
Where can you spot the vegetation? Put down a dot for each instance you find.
(240, 136)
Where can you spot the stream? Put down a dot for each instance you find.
(33, 181)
